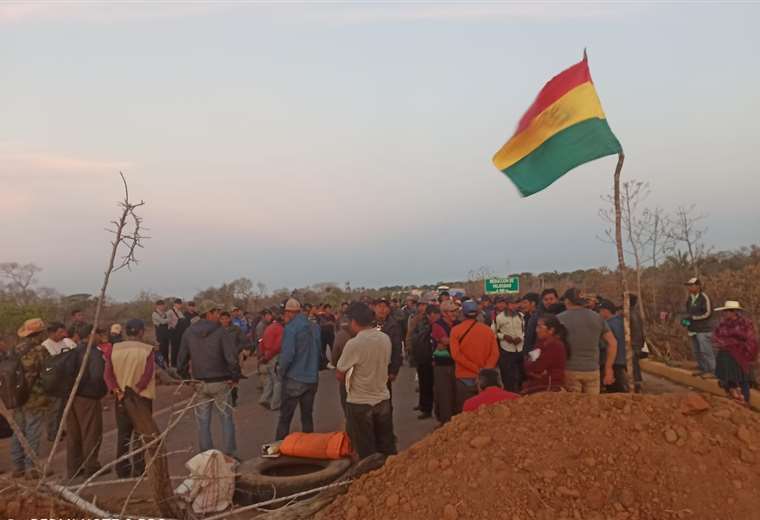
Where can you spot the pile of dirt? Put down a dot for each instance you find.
(574, 457)
(21, 503)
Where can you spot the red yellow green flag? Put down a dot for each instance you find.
(564, 128)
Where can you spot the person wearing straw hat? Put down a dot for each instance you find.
(736, 340)
(31, 415)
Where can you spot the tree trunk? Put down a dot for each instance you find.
(621, 270)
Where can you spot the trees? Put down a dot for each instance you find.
(18, 280)
(685, 228)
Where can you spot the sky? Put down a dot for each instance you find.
(304, 142)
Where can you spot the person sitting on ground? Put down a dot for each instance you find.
(736, 340)
(545, 364)
(490, 391)
(364, 367)
(473, 347)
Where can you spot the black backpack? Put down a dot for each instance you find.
(14, 391)
(93, 384)
(58, 373)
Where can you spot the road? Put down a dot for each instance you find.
(256, 425)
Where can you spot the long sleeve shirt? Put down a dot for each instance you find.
(473, 348)
(512, 325)
(160, 318)
(124, 361)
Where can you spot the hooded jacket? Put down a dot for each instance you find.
(213, 353)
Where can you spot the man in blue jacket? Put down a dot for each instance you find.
(298, 367)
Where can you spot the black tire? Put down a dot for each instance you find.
(262, 479)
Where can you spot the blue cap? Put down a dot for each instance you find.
(469, 308)
(134, 326)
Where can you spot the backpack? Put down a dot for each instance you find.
(93, 384)
(14, 390)
(58, 373)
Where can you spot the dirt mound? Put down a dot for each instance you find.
(571, 456)
(21, 503)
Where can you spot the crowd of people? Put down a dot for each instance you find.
(466, 353)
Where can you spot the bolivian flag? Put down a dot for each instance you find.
(564, 128)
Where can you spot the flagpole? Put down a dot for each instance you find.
(621, 271)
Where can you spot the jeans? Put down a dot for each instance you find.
(219, 397)
(370, 428)
(465, 390)
(272, 393)
(30, 422)
(295, 393)
(703, 351)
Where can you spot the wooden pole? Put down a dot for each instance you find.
(621, 271)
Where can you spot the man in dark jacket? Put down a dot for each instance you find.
(216, 364)
(84, 423)
(697, 321)
(422, 352)
(386, 323)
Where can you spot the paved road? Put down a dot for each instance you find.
(256, 425)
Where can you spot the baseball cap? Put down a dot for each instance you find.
(378, 301)
(470, 308)
(693, 281)
(606, 304)
(208, 306)
(134, 326)
(116, 329)
(292, 305)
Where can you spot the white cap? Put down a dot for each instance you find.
(292, 305)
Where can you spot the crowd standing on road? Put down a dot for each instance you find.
(466, 354)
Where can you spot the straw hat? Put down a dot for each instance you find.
(30, 327)
(730, 305)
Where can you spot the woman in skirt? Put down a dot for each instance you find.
(736, 341)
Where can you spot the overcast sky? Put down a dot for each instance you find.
(312, 142)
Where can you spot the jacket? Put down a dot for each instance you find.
(93, 383)
(391, 328)
(212, 350)
(420, 342)
(341, 338)
(33, 355)
(301, 351)
(271, 341)
(509, 324)
(699, 310)
(548, 371)
(473, 347)
(238, 337)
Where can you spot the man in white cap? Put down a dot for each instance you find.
(300, 355)
(698, 313)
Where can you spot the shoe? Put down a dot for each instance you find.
(424, 415)
(265, 405)
(416, 408)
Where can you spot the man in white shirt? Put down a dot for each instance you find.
(510, 333)
(363, 365)
(55, 343)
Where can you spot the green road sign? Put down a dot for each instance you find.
(508, 285)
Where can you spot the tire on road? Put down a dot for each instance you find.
(262, 479)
